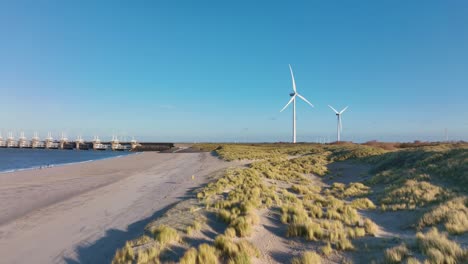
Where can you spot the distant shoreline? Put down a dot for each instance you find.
(53, 165)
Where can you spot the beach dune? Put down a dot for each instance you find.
(81, 213)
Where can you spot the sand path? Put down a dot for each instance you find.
(81, 213)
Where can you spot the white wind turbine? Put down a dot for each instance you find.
(339, 127)
(293, 100)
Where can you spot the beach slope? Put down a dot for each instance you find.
(81, 213)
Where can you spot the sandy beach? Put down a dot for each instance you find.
(81, 213)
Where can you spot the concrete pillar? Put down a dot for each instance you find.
(134, 145)
(48, 144)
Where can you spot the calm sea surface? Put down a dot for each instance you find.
(17, 159)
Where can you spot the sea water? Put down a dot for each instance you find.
(14, 159)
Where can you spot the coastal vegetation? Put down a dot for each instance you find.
(329, 213)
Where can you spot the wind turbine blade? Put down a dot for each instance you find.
(292, 99)
(305, 100)
(292, 76)
(333, 109)
(342, 111)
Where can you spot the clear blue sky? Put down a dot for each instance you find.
(218, 70)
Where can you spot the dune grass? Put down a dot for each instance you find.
(232, 152)
(190, 257)
(413, 194)
(363, 203)
(349, 151)
(452, 214)
(370, 227)
(236, 252)
(308, 257)
(165, 235)
(146, 256)
(354, 189)
(278, 179)
(396, 254)
(207, 254)
(124, 255)
(439, 249)
(327, 250)
(445, 162)
(196, 226)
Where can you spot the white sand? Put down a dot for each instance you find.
(81, 213)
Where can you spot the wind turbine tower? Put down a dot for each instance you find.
(339, 127)
(293, 95)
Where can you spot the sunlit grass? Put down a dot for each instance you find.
(413, 194)
(165, 234)
(453, 214)
(279, 179)
(308, 257)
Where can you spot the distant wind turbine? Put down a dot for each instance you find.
(339, 127)
(293, 95)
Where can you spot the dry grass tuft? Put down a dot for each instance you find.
(294, 213)
(327, 250)
(363, 203)
(190, 257)
(370, 227)
(248, 248)
(140, 241)
(309, 230)
(148, 256)
(226, 245)
(236, 252)
(353, 151)
(196, 226)
(413, 194)
(207, 254)
(396, 254)
(308, 257)
(412, 261)
(314, 210)
(354, 189)
(453, 214)
(124, 255)
(439, 248)
(165, 234)
(230, 232)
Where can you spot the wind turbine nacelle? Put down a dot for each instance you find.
(292, 94)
